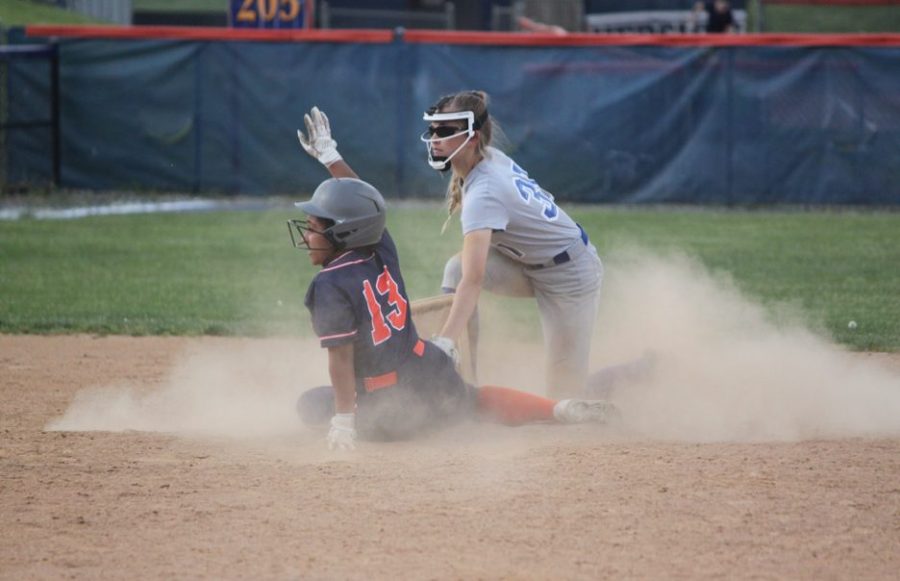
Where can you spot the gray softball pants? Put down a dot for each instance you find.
(567, 297)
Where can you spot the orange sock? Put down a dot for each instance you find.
(513, 407)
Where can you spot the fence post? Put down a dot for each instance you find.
(729, 127)
(324, 15)
(450, 11)
(760, 18)
(54, 113)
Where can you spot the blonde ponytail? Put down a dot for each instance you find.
(454, 198)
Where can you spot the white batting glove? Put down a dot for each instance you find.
(342, 434)
(318, 142)
(447, 345)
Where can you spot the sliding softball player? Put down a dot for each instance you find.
(387, 383)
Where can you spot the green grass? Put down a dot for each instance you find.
(22, 12)
(826, 19)
(181, 5)
(235, 273)
(833, 266)
(217, 273)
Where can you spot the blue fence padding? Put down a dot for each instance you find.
(642, 124)
(28, 150)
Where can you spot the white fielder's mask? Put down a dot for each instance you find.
(433, 135)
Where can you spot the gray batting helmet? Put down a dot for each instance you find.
(356, 207)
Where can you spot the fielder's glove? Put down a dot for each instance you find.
(318, 142)
(447, 345)
(342, 434)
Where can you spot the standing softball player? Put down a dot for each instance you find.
(387, 383)
(516, 240)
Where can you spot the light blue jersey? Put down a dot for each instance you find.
(537, 251)
(527, 224)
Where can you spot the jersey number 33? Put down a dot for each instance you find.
(529, 189)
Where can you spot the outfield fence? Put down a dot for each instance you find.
(724, 119)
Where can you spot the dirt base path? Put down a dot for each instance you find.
(485, 502)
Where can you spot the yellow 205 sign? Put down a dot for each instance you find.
(268, 13)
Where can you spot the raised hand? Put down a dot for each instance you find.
(318, 141)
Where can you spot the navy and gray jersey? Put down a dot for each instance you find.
(359, 297)
(527, 224)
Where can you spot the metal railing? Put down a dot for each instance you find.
(334, 17)
(657, 22)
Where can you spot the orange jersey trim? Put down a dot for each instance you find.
(380, 381)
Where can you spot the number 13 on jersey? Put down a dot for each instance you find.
(385, 286)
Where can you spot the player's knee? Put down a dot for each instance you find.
(316, 406)
(452, 274)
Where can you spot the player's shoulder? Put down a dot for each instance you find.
(492, 175)
(342, 267)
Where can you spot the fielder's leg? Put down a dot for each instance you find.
(568, 300)
(603, 383)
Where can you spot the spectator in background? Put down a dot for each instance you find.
(719, 15)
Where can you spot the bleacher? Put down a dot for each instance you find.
(652, 16)
(387, 14)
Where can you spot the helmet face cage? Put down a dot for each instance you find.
(442, 163)
(297, 230)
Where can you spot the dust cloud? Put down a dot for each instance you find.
(715, 366)
(233, 389)
(718, 366)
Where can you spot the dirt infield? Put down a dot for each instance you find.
(264, 499)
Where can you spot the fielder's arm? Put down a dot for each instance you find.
(476, 245)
